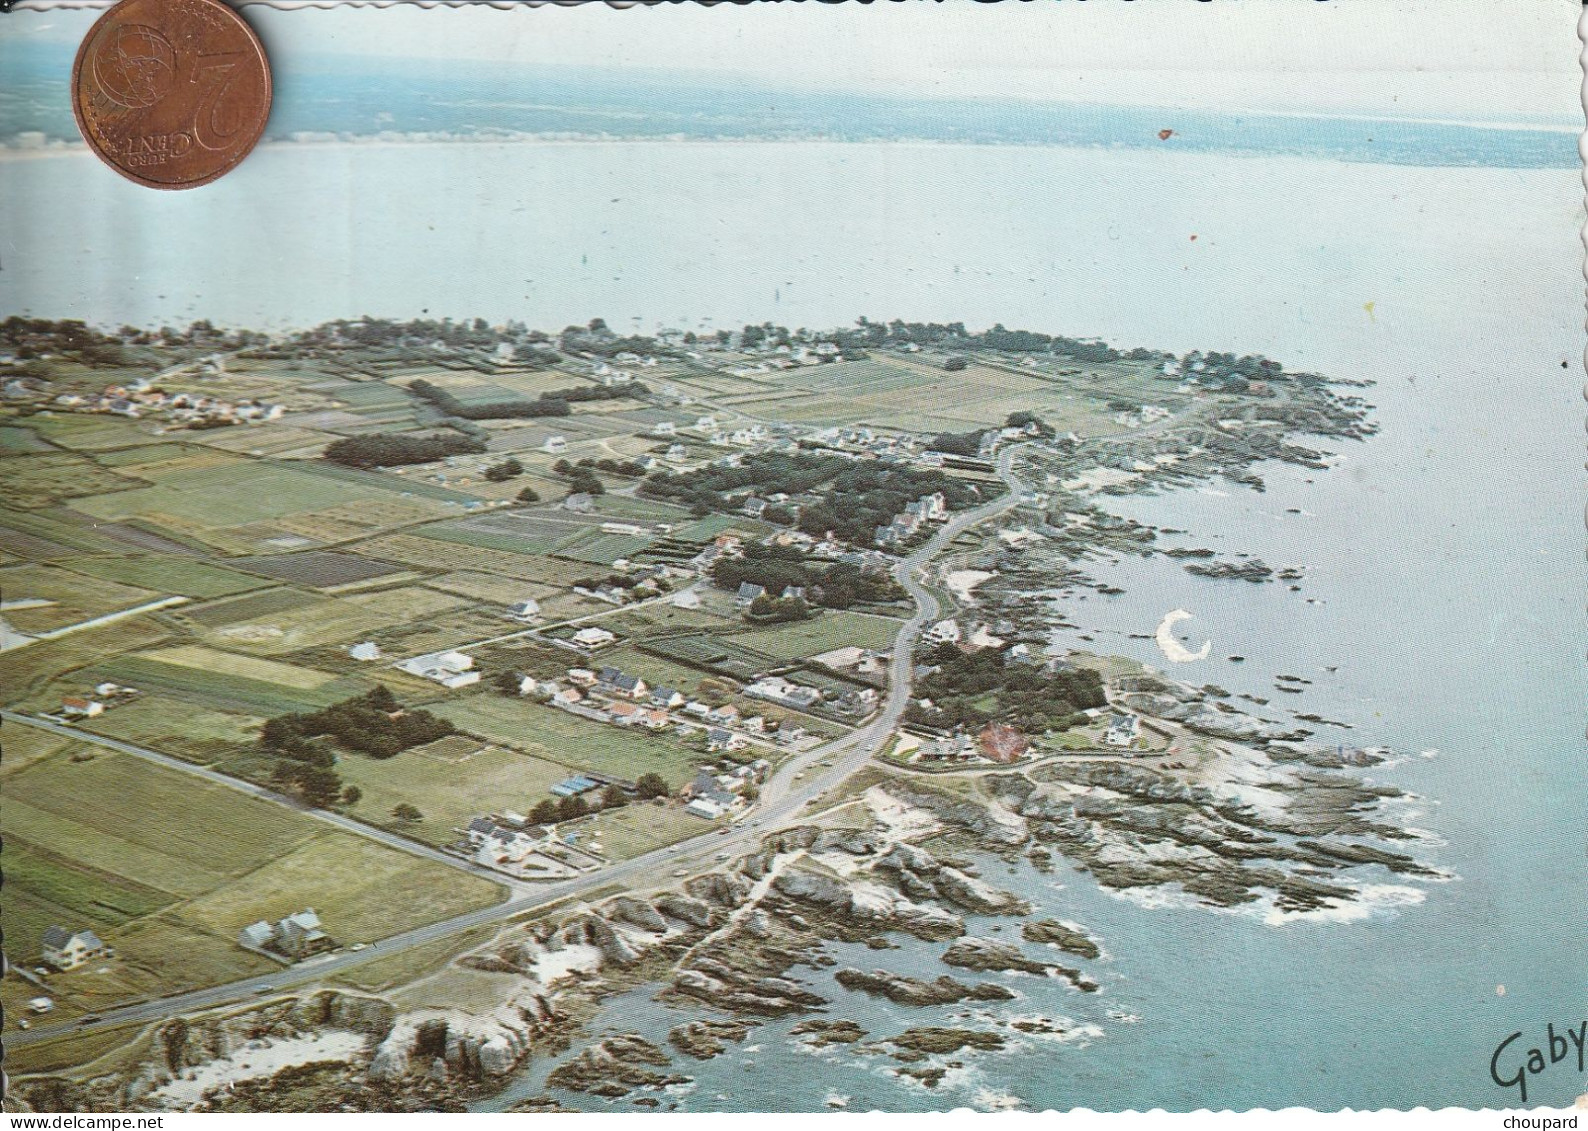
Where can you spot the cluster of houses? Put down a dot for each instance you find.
(297, 936)
(996, 743)
(138, 397)
(908, 522)
(450, 669)
(713, 794)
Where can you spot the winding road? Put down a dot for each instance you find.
(782, 798)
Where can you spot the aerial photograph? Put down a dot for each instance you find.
(875, 558)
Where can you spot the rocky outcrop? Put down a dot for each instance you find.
(685, 909)
(1066, 938)
(921, 875)
(980, 820)
(861, 904)
(461, 1045)
(704, 1039)
(904, 990)
(613, 1067)
(972, 953)
(616, 948)
(728, 890)
(718, 984)
(636, 912)
(823, 1031)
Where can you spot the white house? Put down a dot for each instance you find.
(365, 652)
(67, 950)
(593, 637)
(526, 610)
(555, 445)
(85, 708)
(449, 669)
(944, 632)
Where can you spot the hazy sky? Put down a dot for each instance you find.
(1462, 59)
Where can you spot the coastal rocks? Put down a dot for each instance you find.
(1073, 940)
(821, 1032)
(717, 984)
(991, 824)
(592, 930)
(974, 953)
(921, 875)
(462, 1045)
(1254, 570)
(933, 1040)
(638, 913)
(904, 990)
(1319, 755)
(867, 906)
(613, 1067)
(704, 1039)
(685, 909)
(722, 889)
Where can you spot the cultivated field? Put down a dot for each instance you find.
(167, 869)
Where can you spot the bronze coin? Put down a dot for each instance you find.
(171, 93)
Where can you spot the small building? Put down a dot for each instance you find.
(526, 610)
(555, 445)
(688, 599)
(593, 637)
(655, 718)
(567, 697)
(1122, 730)
(748, 592)
(668, 697)
(582, 677)
(40, 1005)
(704, 807)
(67, 950)
(724, 716)
(449, 669)
(301, 935)
(365, 652)
(82, 708)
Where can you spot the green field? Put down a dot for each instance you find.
(231, 495)
(169, 573)
(40, 480)
(448, 792)
(561, 737)
(179, 727)
(636, 829)
(235, 683)
(832, 629)
(24, 671)
(167, 868)
(73, 597)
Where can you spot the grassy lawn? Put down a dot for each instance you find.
(167, 573)
(634, 830)
(573, 741)
(832, 629)
(448, 792)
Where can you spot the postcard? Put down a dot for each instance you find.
(791, 558)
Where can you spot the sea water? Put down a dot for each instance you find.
(1444, 556)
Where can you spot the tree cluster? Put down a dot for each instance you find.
(836, 585)
(390, 449)
(581, 477)
(374, 724)
(509, 468)
(957, 443)
(779, 610)
(970, 689)
(554, 403)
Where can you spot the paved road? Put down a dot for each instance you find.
(782, 799)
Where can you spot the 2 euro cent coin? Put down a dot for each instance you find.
(171, 93)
